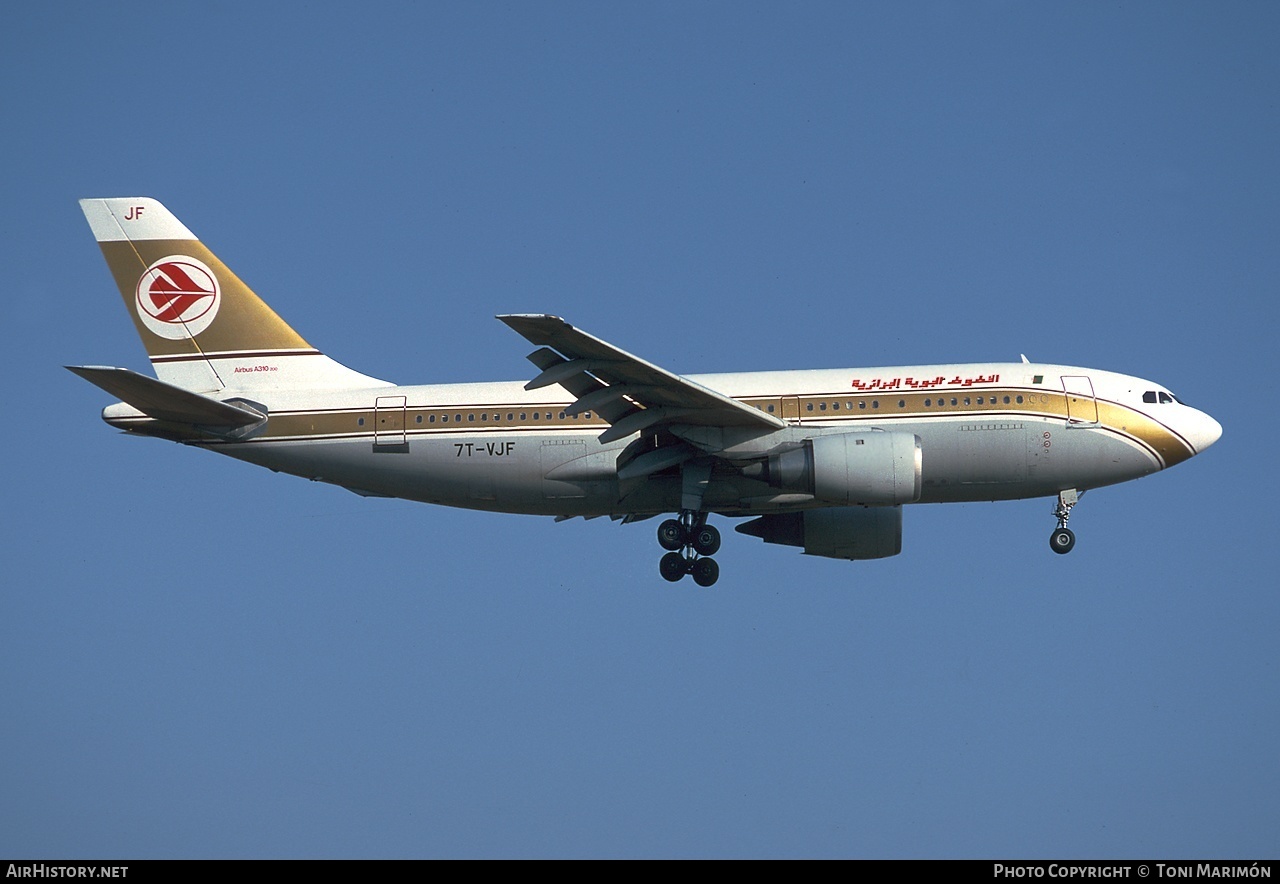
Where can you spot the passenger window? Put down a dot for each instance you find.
(770, 409)
(902, 403)
(966, 400)
(875, 403)
(928, 403)
(471, 417)
(808, 406)
(822, 407)
(432, 419)
(1019, 400)
(862, 404)
(1006, 400)
(953, 401)
(418, 419)
(484, 417)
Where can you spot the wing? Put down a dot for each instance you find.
(631, 394)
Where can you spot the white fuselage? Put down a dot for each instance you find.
(987, 431)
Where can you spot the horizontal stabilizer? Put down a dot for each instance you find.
(166, 402)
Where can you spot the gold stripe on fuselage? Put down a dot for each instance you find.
(1166, 446)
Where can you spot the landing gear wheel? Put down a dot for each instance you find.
(705, 572)
(706, 541)
(672, 566)
(1062, 540)
(691, 542)
(672, 536)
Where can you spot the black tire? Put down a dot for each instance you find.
(706, 540)
(671, 535)
(705, 572)
(1062, 541)
(672, 567)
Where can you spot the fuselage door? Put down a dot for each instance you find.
(791, 409)
(389, 424)
(1082, 407)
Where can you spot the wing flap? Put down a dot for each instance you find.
(582, 385)
(587, 366)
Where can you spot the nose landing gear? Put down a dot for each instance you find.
(1063, 539)
(691, 542)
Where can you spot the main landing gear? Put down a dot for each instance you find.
(1063, 539)
(691, 542)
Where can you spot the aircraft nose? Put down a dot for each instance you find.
(1203, 431)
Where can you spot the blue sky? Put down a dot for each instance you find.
(200, 658)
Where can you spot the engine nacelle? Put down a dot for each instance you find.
(873, 468)
(859, 532)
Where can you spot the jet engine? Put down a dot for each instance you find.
(862, 532)
(873, 468)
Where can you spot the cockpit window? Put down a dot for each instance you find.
(1159, 396)
(1165, 397)
(1149, 396)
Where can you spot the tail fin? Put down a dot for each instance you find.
(203, 328)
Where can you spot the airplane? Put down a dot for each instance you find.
(823, 460)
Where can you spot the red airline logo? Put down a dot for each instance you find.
(178, 297)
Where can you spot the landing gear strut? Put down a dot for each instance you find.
(691, 542)
(1063, 539)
